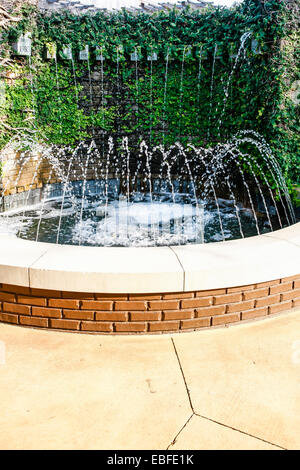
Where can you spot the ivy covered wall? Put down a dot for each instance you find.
(196, 91)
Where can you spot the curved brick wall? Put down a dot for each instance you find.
(142, 313)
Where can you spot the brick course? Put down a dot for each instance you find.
(146, 313)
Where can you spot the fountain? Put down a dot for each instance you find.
(91, 215)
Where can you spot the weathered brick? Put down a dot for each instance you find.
(46, 312)
(97, 326)
(16, 308)
(145, 316)
(211, 311)
(64, 303)
(131, 327)
(270, 300)
(293, 294)
(256, 293)
(280, 307)
(195, 323)
(34, 321)
(164, 305)
(240, 306)
(65, 324)
(256, 312)
(112, 316)
(164, 326)
(178, 314)
(78, 314)
(40, 301)
(227, 298)
(224, 319)
(9, 318)
(130, 305)
(197, 302)
(281, 288)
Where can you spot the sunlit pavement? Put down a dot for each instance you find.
(226, 388)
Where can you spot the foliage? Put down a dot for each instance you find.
(64, 103)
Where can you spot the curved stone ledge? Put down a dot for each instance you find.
(140, 290)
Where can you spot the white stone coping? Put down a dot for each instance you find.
(150, 270)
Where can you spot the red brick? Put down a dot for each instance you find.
(78, 314)
(291, 278)
(16, 308)
(76, 295)
(111, 296)
(32, 300)
(211, 311)
(296, 302)
(9, 318)
(270, 300)
(112, 316)
(97, 305)
(280, 307)
(178, 314)
(228, 298)
(232, 290)
(164, 305)
(65, 324)
(34, 321)
(267, 284)
(64, 303)
(7, 297)
(130, 305)
(195, 323)
(256, 312)
(281, 288)
(46, 312)
(164, 326)
(256, 293)
(16, 289)
(293, 294)
(207, 293)
(240, 306)
(97, 326)
(197, 302)
(224, 319)
(131, 327)
(177, 296)
(45, 293)
(145, 316)
(144, 297)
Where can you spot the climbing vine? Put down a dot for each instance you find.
(197, 91)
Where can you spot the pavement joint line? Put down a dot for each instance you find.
(181, 429)
(240, 431)
(183, 376)
(210, 419)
